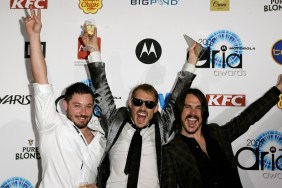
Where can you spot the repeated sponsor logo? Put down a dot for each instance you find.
(266, 151)
(276, 52)
(154, 2)
(90, 6)
(27, 49)
(219, 5)
(148, 51)
(275, 5)
(28, 152)
(25, 4)
(16, 182)
(15, 99)
(224, 53)
(226, 100)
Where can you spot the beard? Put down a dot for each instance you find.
(78, 124)
(81, 126)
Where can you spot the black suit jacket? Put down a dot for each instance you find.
(180, 167)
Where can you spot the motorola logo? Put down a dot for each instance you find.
(148, 51)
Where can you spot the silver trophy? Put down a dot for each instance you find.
(202, 51)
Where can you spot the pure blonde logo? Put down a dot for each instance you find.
(28, 152)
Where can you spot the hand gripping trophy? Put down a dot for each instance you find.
(90, 28)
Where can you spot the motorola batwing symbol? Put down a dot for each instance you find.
(148, 51)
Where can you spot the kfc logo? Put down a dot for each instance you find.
(226, 100)
(24, 4)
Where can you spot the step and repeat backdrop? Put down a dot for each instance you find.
(142, 41)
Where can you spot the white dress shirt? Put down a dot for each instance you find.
(66, 158)
(148, 172)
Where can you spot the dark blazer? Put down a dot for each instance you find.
(113, 119)
(180, 166)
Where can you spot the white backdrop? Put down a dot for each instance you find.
(122, 25)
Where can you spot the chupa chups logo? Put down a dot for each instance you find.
(16, 182)
(24, 4)
(226, 100)
(148, 51)
(27, 49)
(90, 6)
(219, 5)
(277, 52)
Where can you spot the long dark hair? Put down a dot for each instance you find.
(180, 101)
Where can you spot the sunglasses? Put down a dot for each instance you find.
(139, 102)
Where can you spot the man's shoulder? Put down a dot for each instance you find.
(121, 114)
(174, 141)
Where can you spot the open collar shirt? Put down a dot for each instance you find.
(66, 158)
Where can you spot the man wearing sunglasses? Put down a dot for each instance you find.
(135, 133)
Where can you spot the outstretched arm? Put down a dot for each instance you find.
(38, 64)
(279, 83)
(253, 113)
(184, 80)
(103, 95)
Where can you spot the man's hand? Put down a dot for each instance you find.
(279, 83)
(33, 22)
(91, 42)
(192, 54)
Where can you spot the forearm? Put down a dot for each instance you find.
(38, 64)
(103, 95)
(184, 80)
(253, 113)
